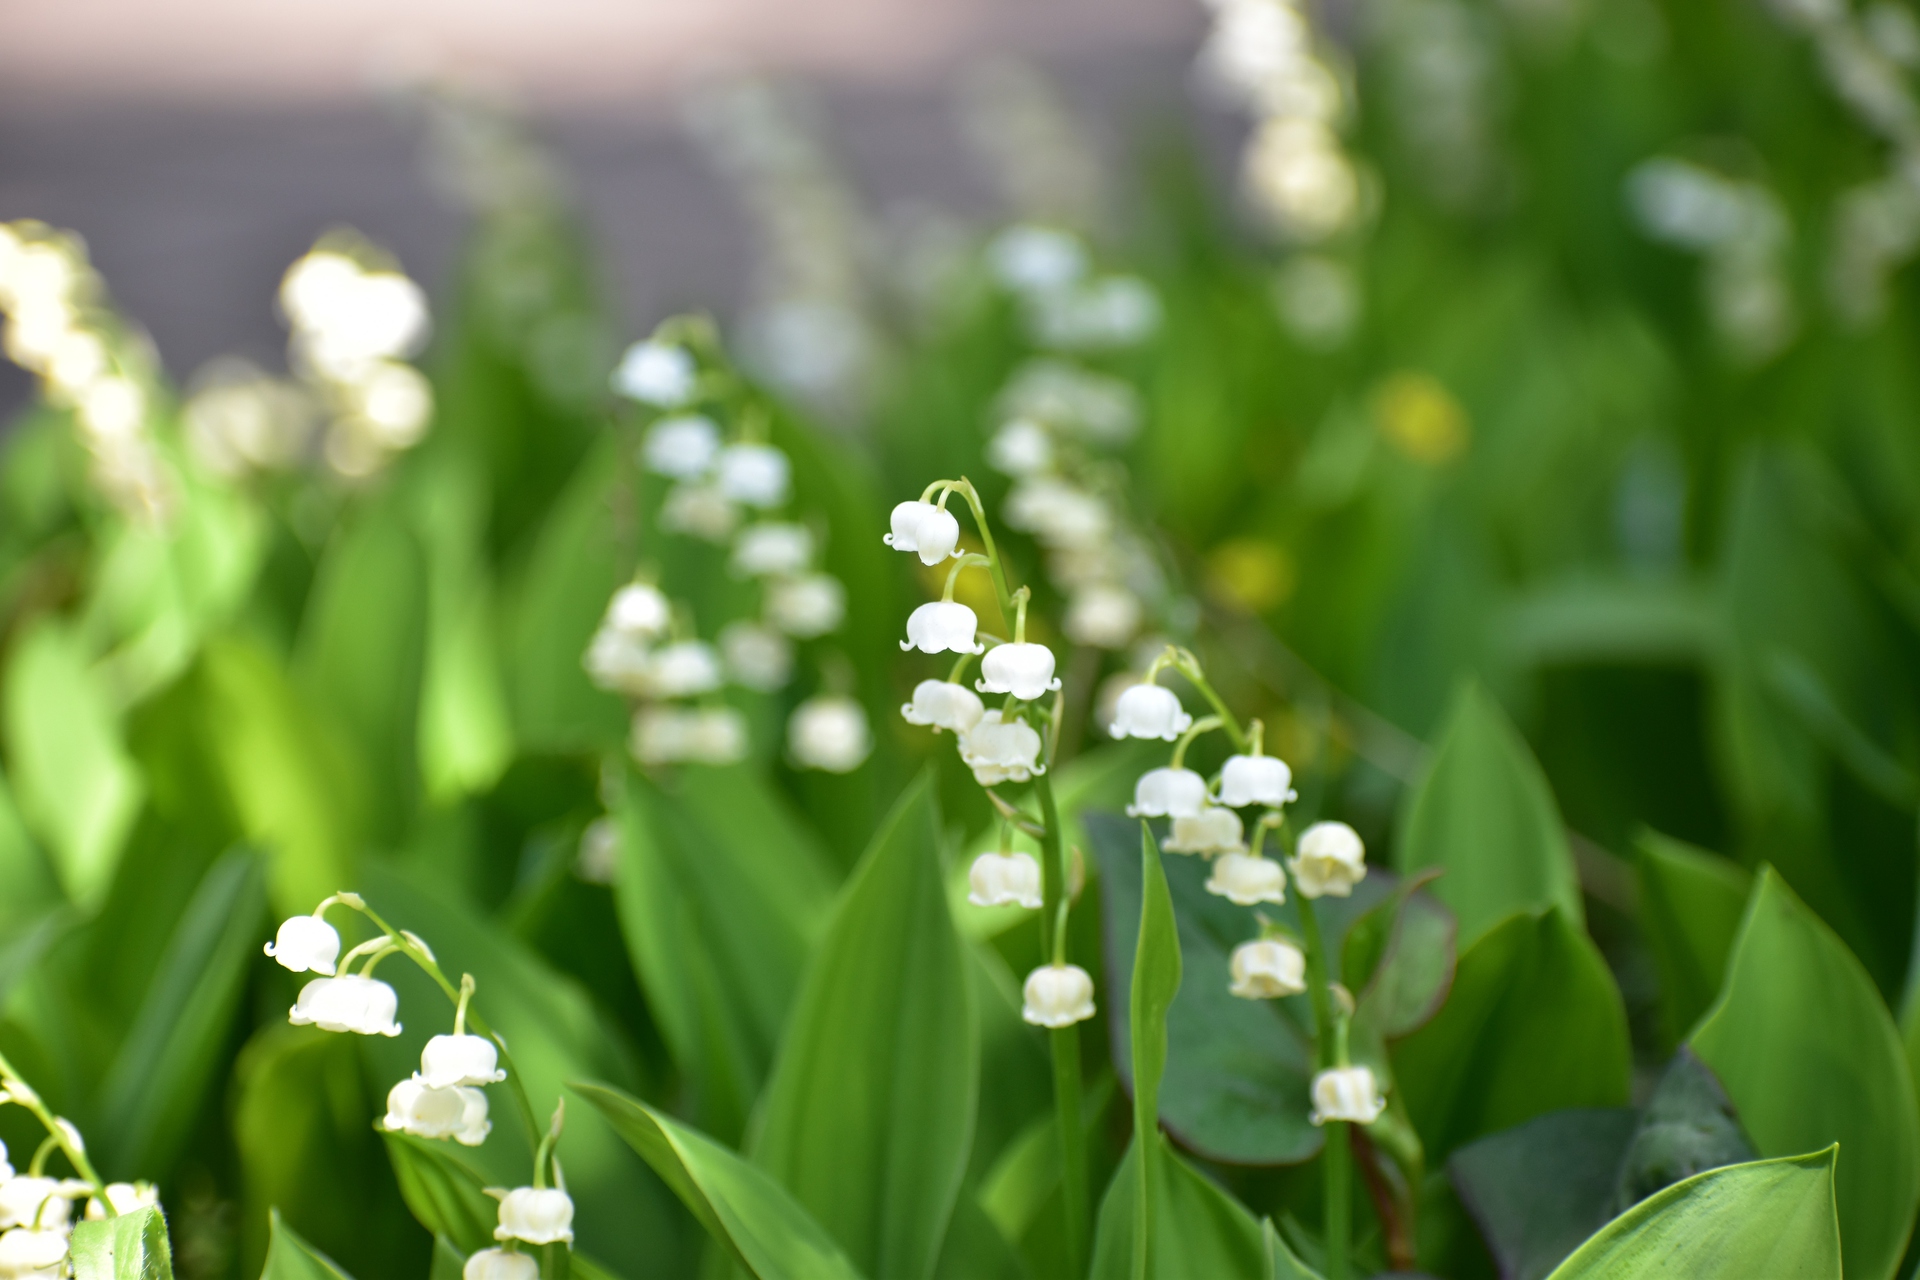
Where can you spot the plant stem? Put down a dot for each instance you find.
(1064, 1041)
(1336, 1157)
(75, 1156)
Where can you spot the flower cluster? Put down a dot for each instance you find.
(446, 1098)
(61, 327)
(1442, 71)
(36, 1209)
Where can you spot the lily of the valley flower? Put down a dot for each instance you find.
(1021, 447)
(1001, 751)
(460, 1059)
(776, 547)
(350, 1002)
(1057, 995)
(1329, 860)
(27, 1253)
(700, 510)
(498, 1264)
(656, 373)
(829, 732)
(921, 527)
(29, 1200)
(125, 1197)
(1023, 670)
(1267, 968)
(1212, 830)
(1347, 1093)
(618, 661)
(683, 670)
(1246, 881)
(1004, 879)
(305, 944)
(1102, 614)
(944, 705)
(639, 610)
(537, 1215)
(756, 656)
(669, 735)
(756, 474)
(682, 447)
(807, 606)
(1246, 780)
(456, 1112)
(1149, 711)
(1168, 793)
(941, 626)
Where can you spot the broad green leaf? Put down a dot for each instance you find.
(721, 899)
(448, 1262)
(446, 1194)
(32, 888)
(1688, 1126)
(1691, 902)
(161, 1076)
(1772, 1218)
(1810, 1057)
(1398, 960)
(1156, 980)
(1539, 1189)
(1282, 1262)
(868, 1117)
(1483, 814)
(742, 1207)
(132, 1246)
(1533, 1024)
(291, 1258)
(1206, 1233)
(975, 1248)
(78, 789)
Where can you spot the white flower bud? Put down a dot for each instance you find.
(454, 1060)
(305, 944)
(1246, 780)
(498, 1264)
(829, 732)
(639, 610)
(1268, 968)
(700, 510)
(656, 373)
(350, 1002)
(1149, 711)
(29, 1254)
(599, 858)
(998, 752)
(683, 447)
(922, 527)
(125, 1197)
(1208, 832)
(536, 1215)
(1023, 670)
(777, 547)
(1246, 881)
(1102, 615)
(683, 670)
(756, 474)
(941, 626)
(1058, 995)
(1347, 1093)
(944, 706)
(756, 656)
(453, 1112)
(1329, 860)
(1164, 793)
(1004, 879)
(27, 1201)
(807, 606)
(1021, 447)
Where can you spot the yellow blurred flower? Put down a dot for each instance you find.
(1420, 417)
(1251, 573)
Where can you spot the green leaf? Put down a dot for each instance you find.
(1810, 1057)
(1691, 902)
(1398, 959)
(721, 899)
(1206, 1233)
(291, 1258)
(741, 1206)
(1484, 814)
(1688, 1126)
(1772, 1218)
(1282, 1262)
(1539, 1189)
(161, 1076)
(868, 1117)
(1534, 1024)
(448, 1262)
(446, 1194)
(132, 1246)
(78, 788)
(1156, 980)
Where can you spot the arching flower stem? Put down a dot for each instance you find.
(1205, 724)
(18, 1091)
(953, 574)
(1183, 661)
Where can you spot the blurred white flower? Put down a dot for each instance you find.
(124, 1197)
(1246, 780)
(1000, 751)
(1020, 447)
(1149, 711)
(536, 1215)
(305, 944)
(1119, 311)
(922, 527)
(1023, 670)
(656, 373)
(683, 669)
(1079, 402)
(27, 1200)
(807, 606)
(1162, 793)
(1298, 175)
(671, 735)
(1102, 614)
(1033, 259)
(1268, 968)
(1246, 881)
(1347, 1093)
(756, 656)
(942, 626)
(683, 446)
(1057, 513)
(640, 610)
(350, 1002)
(700, 510)
(944, 706)
(30, 1254)
(345, 317)
(774, 547)
(829, 732)
(1004, 879)
(756, 474)
(1208, 832)
(396, 403)
(1328, 860)
(598, 861)
(617, 661)
(498, 1264)
(1318, 300)
(427, 1112)
(456, 1060)
(1058, 995)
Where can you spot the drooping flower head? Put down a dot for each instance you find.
(1149, 711)
(1246, 780)
(1057, 995)
(305, 944)
(1023, 670)
(350, 1002)
(1208, 832)
(1347, 1093)
(944, 706)
(1004, 879)
(1168, 793)
(461, 1060)
(1246, 880)
(1267, 968)
(536, 1215)
(942, 626)
(1329, 860)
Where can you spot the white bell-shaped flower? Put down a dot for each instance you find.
(27, 1200)
(1021, 447)
(942, 626)
(1102, 614)
(756, 474)
(1001, 752)
(498, 1264)
(1057, 995)
(1004, 879)
(1329, 860)
(1034, 259)
(1212, 830)
(1168, 793)
(944, 705)
(1023, 670)
(639, 610)
(775, 548)
(454, 1060)
(685, 669)
(598, 861)
(807, 606)
(305, 944)
(656, 373)
(1347, 1093)
(1245, 880)
(756, 656)
(829, 732)
(456, 1112)
(1149, 711)
(618, 662)
(125, 1197)
(700, 511)
(27, 1253)
(6, 1170)
(1246, 780)
(537, 1215)
(683, 447)
(924, 528)
(350, 1002)
(716, 735)
(1268, 968)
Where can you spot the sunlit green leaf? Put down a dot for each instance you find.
(291, 1258)
(1690, 905)
(131, 1246)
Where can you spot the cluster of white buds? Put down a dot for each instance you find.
(1742, 231)
(36, 1209)
(634, 653)
(61, 327)
(355, 322)
(1068, 307)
